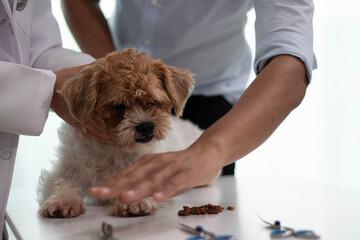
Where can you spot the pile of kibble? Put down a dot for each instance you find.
(204, 209)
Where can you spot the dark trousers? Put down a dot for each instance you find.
(204, 111)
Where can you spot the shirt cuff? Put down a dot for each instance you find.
(25, 95)
(293, 43)
(43, 100)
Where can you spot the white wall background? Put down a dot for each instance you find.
(320, 140)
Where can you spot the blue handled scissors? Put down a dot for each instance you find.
(200, 233)
(279, 231)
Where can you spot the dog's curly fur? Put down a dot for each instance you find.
(132, 95)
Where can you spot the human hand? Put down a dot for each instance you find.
(94, 129)
(161, 176)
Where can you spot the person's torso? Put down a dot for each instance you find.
(15, 30)
(204, 36)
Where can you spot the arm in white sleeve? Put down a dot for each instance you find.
(284, 27)
(26, 92)
(46, 48)
(25, 97)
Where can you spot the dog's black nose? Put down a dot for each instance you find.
(145, 129)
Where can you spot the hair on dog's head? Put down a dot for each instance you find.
(130, 93)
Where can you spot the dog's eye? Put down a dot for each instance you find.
(119, 107)
(152, 103)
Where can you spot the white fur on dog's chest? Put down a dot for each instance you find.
(94, 163)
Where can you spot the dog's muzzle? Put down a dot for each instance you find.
(145, 130)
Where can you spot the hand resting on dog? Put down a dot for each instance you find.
(94, 129)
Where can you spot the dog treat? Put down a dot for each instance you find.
(202, 210)
(231, 208)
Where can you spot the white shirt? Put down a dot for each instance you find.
(207, 37)
(30, 47)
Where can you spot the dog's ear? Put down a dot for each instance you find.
(178, 84)
(80, 93)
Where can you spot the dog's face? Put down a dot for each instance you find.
(131, 94)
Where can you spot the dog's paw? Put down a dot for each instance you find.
(62, 208)
(141, 208)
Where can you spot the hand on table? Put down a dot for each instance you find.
(160, 176)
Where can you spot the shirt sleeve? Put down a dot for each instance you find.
(26, 91)
(46, 46)
(284, 27)
(25, 97)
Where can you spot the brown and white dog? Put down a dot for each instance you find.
(132, 95)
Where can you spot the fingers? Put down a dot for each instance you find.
(154, 182)
(94, 130)
(89, 134)
(177, 185)
(127, 181)
(171, 192)
(147, 175)
(160, 176)
(97, 132)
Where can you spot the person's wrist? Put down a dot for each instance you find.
(210, 149)
(57, 85)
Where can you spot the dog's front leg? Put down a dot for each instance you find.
(60, 198)
(141, 208)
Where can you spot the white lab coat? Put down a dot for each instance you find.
(30, 46)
